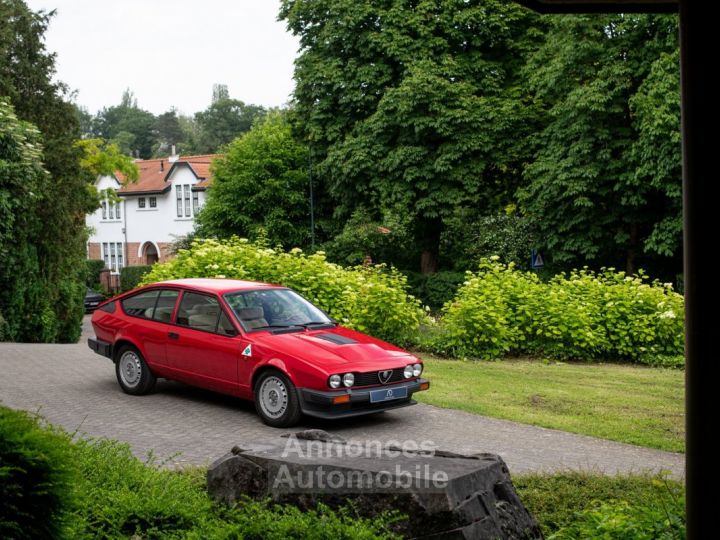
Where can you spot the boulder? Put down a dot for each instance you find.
(445, 495)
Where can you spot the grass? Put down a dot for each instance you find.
(626, 403)
(558, 501)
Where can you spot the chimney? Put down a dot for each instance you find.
(173, 156)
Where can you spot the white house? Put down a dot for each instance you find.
(154, 211)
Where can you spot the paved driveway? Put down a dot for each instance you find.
(75, 388)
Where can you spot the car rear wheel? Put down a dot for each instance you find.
(133, 374)
(276, 400)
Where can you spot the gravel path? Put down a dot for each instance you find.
(75, 388)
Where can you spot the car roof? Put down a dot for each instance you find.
(217, 285)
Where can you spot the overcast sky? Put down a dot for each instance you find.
(171, 52)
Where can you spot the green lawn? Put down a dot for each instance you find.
(632, 404)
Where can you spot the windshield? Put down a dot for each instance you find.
(274, 308)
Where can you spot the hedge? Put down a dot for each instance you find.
(37, 478)
(132, 276)
(93, 267)
(581, 315)
(372, 299)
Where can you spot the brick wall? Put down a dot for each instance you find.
(132, 254)
(94, 250)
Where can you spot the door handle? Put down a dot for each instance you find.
(173, 335)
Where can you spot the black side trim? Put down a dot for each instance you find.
(100, 347)
(336, 338)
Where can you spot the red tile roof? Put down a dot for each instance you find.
(154, 173)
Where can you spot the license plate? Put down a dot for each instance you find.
(93, 303)
(387, 394)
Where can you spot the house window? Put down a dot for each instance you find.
(104, 209)
(196, 202)
(112, 253)
(153, 202)
(141, 202)
(178, 196)
(117, 210)
(186, 187)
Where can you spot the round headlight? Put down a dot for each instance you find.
(408, 372)
(348, 379)
(417, 370)
(334, 381)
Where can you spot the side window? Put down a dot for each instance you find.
(225, 327)
(140, 305)
(198, 311)
(165, 306)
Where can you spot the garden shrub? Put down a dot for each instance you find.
(370, 298)
(435, 290)
(93, 267)
(132, 276)
(581, 315)
(37, 478)
(125, 497)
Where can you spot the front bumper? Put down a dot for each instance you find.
(321, 404)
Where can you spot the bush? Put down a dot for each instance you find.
(370, 299)
(132, 276)
(583, 315)
(435, 290)
(37, 478)
(93, 267)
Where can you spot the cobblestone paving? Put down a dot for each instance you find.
(75, 388)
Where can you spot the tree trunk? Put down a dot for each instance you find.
(428, 236)
(632, 250)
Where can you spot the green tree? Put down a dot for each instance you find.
(604, 187)
(129, 126)
(169, 132)
(224, 120)
(260, 187)
(417, 105)
(61, 198)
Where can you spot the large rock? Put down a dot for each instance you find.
(445, 495)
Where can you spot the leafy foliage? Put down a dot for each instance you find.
(52, 230)
(128, 126)
(605, 182)
(414, 107)
(574, 505)
(223, 121)
(581, 315)
(435, 290)
(93, 267)
(37, 478)
(370, 299)
(260, 187)
(131, 276)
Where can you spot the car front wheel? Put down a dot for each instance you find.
(132, 372)
(276, 400)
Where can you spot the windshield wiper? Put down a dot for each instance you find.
(319, 324)
(281, 328)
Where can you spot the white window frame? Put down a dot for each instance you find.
(112, 254)
(141, 202)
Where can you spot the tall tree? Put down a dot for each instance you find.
(169, 132)
(414, 104)
(61, 198)
(260, 187)
(224, 120)
(604, 186)
(129, 126)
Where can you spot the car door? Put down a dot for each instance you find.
(202, 348)
(149, 313)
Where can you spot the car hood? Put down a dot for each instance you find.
(335, 348)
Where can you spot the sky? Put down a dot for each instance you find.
(170, 52)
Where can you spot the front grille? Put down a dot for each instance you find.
(371, 378)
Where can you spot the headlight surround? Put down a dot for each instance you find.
(408, 371)
(417, 370)
(334, 381)
(348, 379)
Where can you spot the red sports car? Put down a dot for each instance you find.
(255, 341)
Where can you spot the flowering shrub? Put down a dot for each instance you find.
(583, 315)
(370, 299)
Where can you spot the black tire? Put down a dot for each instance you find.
(133, 374)
(285, 410)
